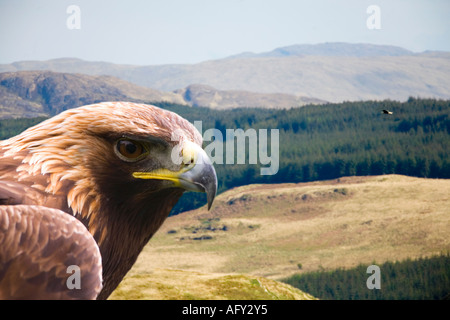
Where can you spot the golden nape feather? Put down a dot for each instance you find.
(108, 165)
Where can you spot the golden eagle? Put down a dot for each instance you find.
(87, 189)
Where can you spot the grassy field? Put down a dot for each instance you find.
(272, 231)
(171, 284)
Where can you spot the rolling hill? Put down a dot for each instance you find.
(334, 49)
(171, 284)
(46, 93)
(273, 231)
(205, 96)
(334, 72)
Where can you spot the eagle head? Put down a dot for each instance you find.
(118, 167)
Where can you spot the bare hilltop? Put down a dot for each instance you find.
(333, 72)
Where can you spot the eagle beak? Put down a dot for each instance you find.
(197, 173)
(201, 177)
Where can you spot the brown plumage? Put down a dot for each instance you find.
(117, 167)
(45, 243)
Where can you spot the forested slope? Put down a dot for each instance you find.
(326, 141)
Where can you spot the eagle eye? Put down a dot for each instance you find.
(130, 151)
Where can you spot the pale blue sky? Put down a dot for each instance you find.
(148, 32)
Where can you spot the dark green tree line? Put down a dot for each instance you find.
(320, 142)
(421, 279)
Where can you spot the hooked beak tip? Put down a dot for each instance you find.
(201, 178)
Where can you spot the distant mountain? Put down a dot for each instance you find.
(68, 65)
(46, 93)
(333, 72)
(334, 49)
(202, 95)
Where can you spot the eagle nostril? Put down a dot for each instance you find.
(189, 162)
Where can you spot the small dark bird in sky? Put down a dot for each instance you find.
(86, 190)
(387, 112)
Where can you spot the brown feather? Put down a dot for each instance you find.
(67, 163)
(37, 245)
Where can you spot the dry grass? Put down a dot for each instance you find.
(267, 231)
(165, 284)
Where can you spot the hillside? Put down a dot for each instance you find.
(45, 93)
(171, 284)
(206, 96)
(323, 142)
(274, 231)
(333, 72)
(336, 49)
